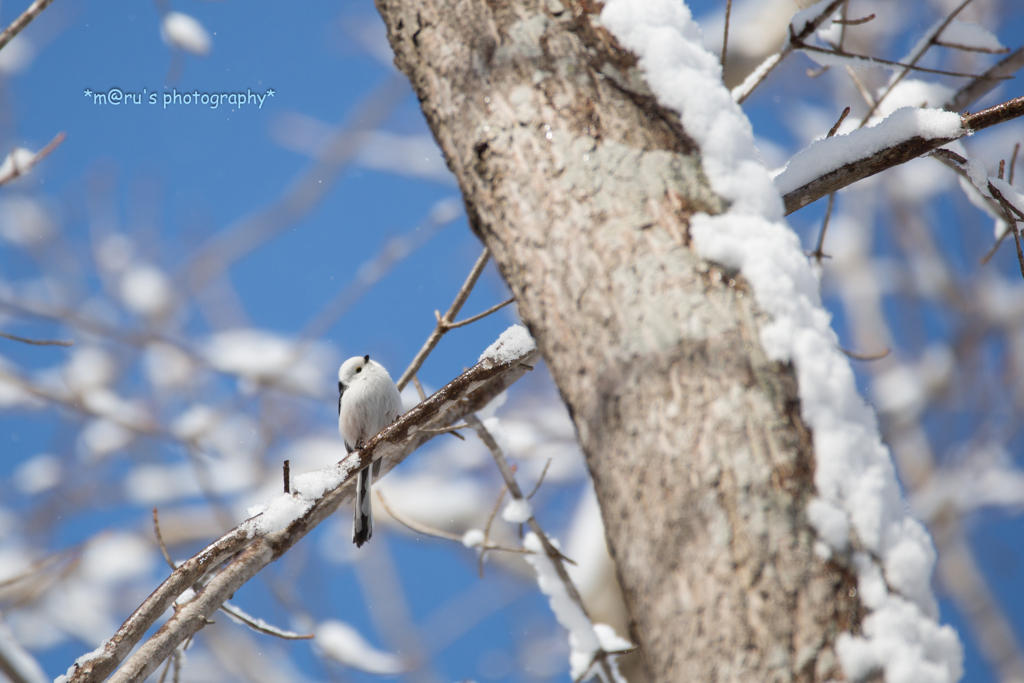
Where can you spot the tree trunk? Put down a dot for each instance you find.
(582, 186)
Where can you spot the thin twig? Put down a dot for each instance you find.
(556, 557)
(449, 317)
(259, 627)
(914, 60)
(540, 481)
(1002, 169)
(167, 667)
(865, 356)
(871, 61)
(981, 85)
(287, 477)
(818, 254)
(725, 35)
(1009, 210)
(487, 527)
(36, 342)
(419, 387)
(480, 316)
(741, 92)
(1013, 162)
(160, 541)
(439, 533)
(15, 27)
(854, 22)
(842, 117)
(972, 48)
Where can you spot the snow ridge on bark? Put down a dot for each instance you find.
(858, 512)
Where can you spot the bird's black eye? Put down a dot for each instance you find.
(359, 369)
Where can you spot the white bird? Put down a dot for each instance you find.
(368, 401)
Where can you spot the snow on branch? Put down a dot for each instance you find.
(831, 164)
(858, 513)
(228, 563)
(20, 160)
(594, 648)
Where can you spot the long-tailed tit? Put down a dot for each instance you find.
(368, 401)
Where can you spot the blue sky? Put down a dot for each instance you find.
(174, 176)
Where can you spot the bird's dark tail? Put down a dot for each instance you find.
(362, 522)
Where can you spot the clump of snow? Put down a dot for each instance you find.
(102, 437)
(194, 422)
(115, 557)
(186, 33)
(114, 252)
(439, 501)
(828, 154)
(146, 290)
(474, 538)
(17, 162)
(37, 474)
(167, 366)
(284, 508)
(24, 221)
(517, 511)
(17, 55)
(90, 367)
(854, 473)
(515, 342)
(258, 356)
(152, 483)
(966, 34)
(584, 639)
(344, 644)
(989, 480)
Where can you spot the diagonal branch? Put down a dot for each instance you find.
(244, 553)
(981, 85)
(33, 11)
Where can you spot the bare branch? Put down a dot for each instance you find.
(1013, 162)
(15, 27)
(818, 254)
(487, 527)
(854, 22)
(981, 85)
(972, 48)
(443, 322)
(439, 533)
(725, 34)
(36, 342)
(842, 117)
(260, 626)
(743, 91)
(914, 60)
(160, 541)
(554, 554)
(867, 356)
(540, 480)
(246, 555)
(480, 316)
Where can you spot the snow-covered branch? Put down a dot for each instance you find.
(285, 520)
(833, 163)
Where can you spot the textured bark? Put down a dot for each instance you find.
(582, 187)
